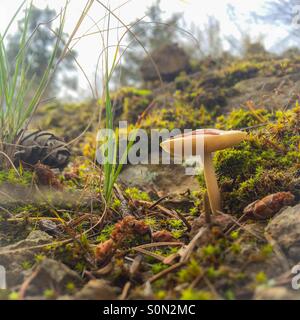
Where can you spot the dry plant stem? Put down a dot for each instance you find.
(159, 244)
(123, 207)
(190, 247)
(125, 291)
(136, 264)
(166, 271)
(27, 282)
(151, 254)
(158, 202)
(183, 219)
(211, 184)
(236, 222)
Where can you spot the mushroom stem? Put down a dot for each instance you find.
(213, 191)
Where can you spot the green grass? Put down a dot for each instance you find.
(18, 96)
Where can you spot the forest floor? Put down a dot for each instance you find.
(157, 238)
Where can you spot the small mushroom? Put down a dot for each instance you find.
(203, 143)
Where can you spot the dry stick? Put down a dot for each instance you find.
(236, 221)
(27, 282)
(125, 291)
(242, 227)
(149, 253)
(158, 202)
(190, 247)
(135, 264)
(280, 255)
(166, 271)
(159, 244)
(123, 207)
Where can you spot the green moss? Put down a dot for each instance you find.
(151, 222)
(12, 177)
(191, 294)
(210, 250)
(49, 294)
(105, 233)
(136, 194)
(175, 223)
(240, 118)
(190, 272)
(70, 287)
(180, 115)
(261, 277)
(158, 267)
(266, 163)
(26, 265)
(13, 296)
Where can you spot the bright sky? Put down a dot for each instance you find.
(195, 11)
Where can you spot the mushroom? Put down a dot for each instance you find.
(203, 143)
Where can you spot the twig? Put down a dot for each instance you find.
(123, 207)
(27, 282)
(149, 253)
(159, 244)
(158, 202)
(183, 219)
(241, 226)
(125, 291)
(135, 264)
(166, 271)
(190, 247)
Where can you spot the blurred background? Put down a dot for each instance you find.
(213, 29)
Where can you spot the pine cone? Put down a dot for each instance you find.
(268, 206)
(44, 147)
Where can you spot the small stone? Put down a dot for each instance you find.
(97, 290)
(39, 236)
(53, 274)
(285, 228)
(49, 226)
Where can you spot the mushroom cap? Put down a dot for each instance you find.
(201, 141)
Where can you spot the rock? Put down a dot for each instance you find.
(97, 290)
(276, 293)
(285, 229)
(170, 61)
(38, 237)
(168, 179)
(268, 206)
(50, 227)
(13, 256)
(53, 274)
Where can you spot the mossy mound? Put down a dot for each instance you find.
(268, 162)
